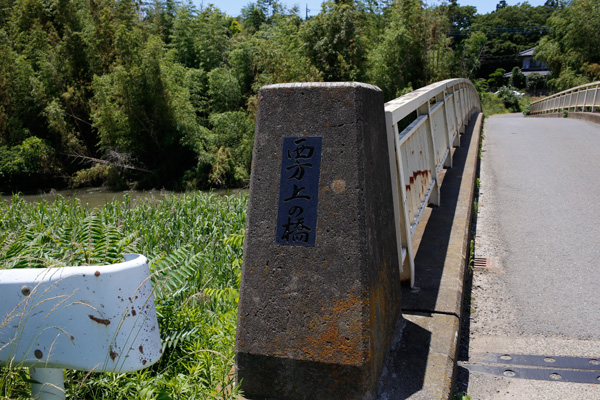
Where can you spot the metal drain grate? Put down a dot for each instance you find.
(484, 262)
(566, 369)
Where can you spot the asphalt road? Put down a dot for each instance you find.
(545, 173)
(539, 223)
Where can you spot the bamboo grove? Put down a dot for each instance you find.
(163, 93)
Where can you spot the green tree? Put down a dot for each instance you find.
(470, 52)
(17, 107)
(172, 89)
(183, 36)
(567, 79)
(160, 17)
(31, 161)
(461, 17)
(573, 47)
(517, 79)
(333, 41)
(497, 79)
(142, 109)
(253, 16)
(439, 54)
(223, 91)
(280, 53)
(510, 30)
(50, 43)
(535, 81)
(243, 64)
(211, 40)
(223, 151)
(399, 59)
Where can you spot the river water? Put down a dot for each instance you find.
(97, 197)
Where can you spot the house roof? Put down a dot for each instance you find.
(528, 52)
(541, 72)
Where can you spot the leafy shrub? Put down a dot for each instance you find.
(509, 99)
(535, 81)
(481, 85)
(492, 104)
(497, 79)
(517, 79)
(567, 79)
(224, 153)
(97, 175)
(33, 159)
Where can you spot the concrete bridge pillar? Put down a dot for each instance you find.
(320, 288)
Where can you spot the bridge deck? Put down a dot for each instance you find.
(539, 220)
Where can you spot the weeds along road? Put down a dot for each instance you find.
(539, 223)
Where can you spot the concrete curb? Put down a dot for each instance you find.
(586, 116)
(422, 362)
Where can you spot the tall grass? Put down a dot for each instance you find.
(492, 104)
(194, 244)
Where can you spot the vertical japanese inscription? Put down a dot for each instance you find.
(298, 191)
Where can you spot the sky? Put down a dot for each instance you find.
(234, 7)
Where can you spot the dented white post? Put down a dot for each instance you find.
(90, 318)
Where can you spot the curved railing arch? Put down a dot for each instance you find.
(584, 98)
(422, 128)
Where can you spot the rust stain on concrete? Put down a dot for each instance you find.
(338, 186)
(338, 333)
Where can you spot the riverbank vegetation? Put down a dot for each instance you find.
(163, 93)
(194, 244)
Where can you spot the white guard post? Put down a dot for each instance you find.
(91, 318)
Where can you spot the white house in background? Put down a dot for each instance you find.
(530, 65)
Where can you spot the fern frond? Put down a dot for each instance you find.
(235, 239)
(178, 337)
(223, 294)
(175, 270)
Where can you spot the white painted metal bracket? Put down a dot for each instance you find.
(91, 318)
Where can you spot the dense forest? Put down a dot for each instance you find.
(163, 93)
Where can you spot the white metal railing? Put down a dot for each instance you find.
(582, 98)
(419, 151)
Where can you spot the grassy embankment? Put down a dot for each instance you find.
(493, 104)
(194, 244)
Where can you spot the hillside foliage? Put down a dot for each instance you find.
(164, 94)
